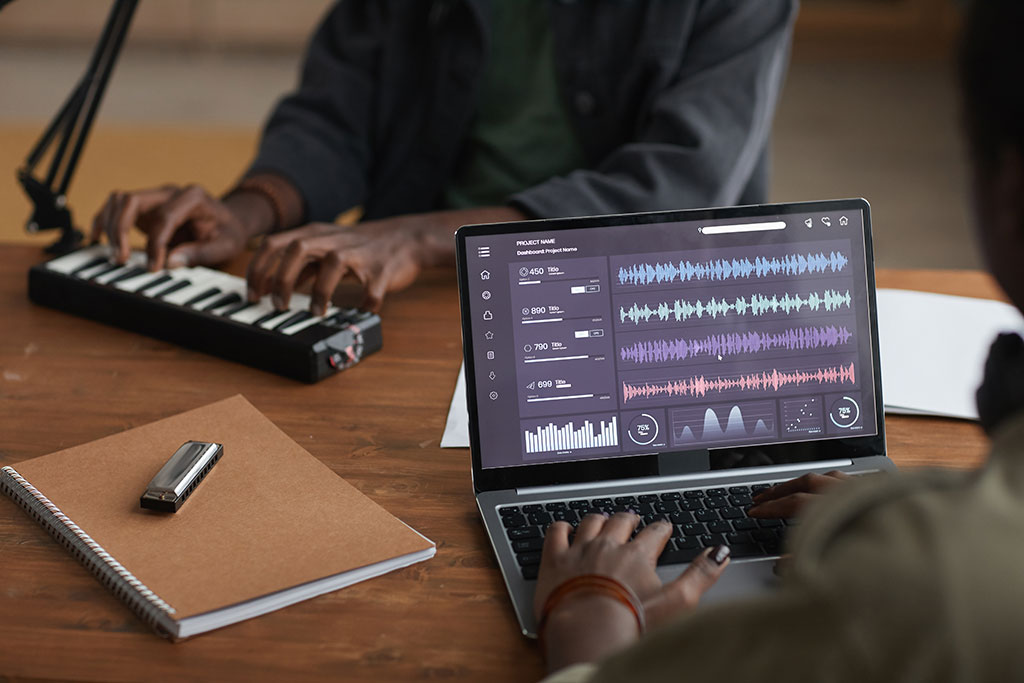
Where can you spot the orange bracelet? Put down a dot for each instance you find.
(592, 583)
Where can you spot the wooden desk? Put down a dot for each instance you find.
(66, 381)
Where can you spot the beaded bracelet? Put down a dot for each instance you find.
(592, 583)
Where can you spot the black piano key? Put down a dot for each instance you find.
(106, 269)
(173, 288)
(233, 297)
(155, 282)
(296, 317)
(91, 264)
(241, 306)
(202, 295)
(130, 273)
(265, 318)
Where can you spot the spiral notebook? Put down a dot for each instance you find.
(269, 526)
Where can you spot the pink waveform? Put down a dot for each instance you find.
(773, 380)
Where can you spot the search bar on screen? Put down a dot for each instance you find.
(745, 227)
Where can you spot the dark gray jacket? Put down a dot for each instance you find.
(672, 101)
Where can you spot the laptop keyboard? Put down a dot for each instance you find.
(700, 518)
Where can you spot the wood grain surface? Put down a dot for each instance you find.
(66, 381)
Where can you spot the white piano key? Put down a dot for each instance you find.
(299, 302)
(69, 262)
(140, 280)
(135, 259)
(253, 313)
(308, 322)
(200, 282)
(177, 275)
(90, 273)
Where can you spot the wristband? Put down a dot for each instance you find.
(282, 205)
(592, 583)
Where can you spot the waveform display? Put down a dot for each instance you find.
(565, 437)
(734, 344)
(704, 425)
(771, 380)
(756, 304)
(731, 269)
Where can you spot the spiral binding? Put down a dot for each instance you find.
(111, 573)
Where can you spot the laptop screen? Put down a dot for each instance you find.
(669, 332)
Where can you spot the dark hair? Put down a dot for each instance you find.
(992, 78)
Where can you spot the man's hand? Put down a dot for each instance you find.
(184, 226)
(384, 255)
(586, 627)
(787, 499)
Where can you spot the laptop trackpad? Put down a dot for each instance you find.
(741, 579)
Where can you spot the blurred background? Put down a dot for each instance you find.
(869, 107)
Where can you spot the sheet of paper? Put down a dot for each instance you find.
(933, 349)
(456, 429)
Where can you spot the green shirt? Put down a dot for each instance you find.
(522, 135)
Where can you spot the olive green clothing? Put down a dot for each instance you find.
(894, 577)
(521, 136)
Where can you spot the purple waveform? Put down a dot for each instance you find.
(732, 344)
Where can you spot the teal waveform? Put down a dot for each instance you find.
(756, 305)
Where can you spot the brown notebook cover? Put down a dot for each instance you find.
(270, 525)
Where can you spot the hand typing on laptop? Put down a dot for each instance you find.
(787, 500)
(597, 593)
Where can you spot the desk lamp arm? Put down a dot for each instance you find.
(72, 125)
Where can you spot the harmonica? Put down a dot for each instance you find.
(180, 476)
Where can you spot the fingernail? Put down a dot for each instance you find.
(719, 554)
(176, 261)
(605, 513)
(319, 309)
(278, 304)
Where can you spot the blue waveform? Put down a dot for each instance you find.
(757, 304)
(726, 269)
(734, 344)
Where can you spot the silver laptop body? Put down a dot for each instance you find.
(662, 357)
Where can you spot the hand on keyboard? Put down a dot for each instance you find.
(602, 546)
(197, 229)
(786, 500)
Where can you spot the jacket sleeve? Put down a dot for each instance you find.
(318, 136)
(706, 132)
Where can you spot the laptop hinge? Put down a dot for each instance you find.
(657, 482)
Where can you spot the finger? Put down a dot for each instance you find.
(100, 220)
(124, 212)
(621, 526)
(262, 267)
(782, 508)
(811, 482)
(209, 253)
(165, 219)
(652, 539)
(685, 591)
(293, 260)
(590, 527)
(332, 269)
(556, 542)
(114, 238)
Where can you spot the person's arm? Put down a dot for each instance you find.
(705, 133)
(318, 137)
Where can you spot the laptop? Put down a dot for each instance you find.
(670, 363)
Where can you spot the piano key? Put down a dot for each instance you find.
(295, 317)
(205, 295)
(231, 310)
(254, 313)
(104, 266)
(299, 302)
(161, 292)
(128, 274)
(223, 301)
(298, 327)
(135, 260)
(200, 281)
(141, 283)
(69, 263)
(264, 320)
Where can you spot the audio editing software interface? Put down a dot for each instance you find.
(637, 339)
